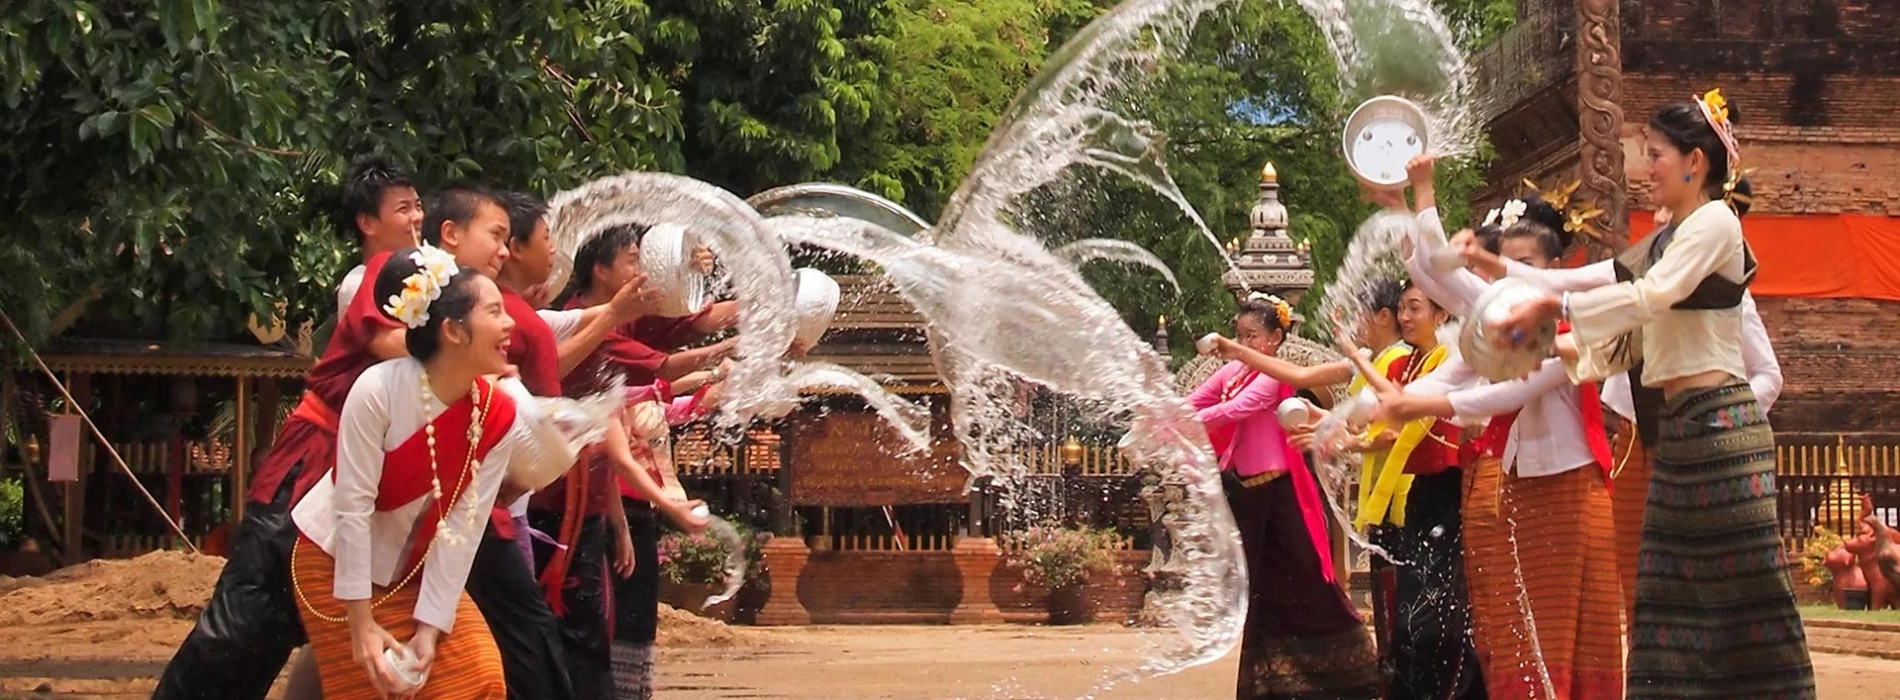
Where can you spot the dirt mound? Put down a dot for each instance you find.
(679, 628)
(159, 584)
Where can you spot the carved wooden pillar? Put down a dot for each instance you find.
(1600, 114)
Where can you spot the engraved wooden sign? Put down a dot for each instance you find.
(853, 458)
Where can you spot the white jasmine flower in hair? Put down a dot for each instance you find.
(408, 308)
(1491, 217)
(1513, 210)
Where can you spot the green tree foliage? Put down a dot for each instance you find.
(177, 159)
(174, 162)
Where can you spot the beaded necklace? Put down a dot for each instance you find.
(470, 467)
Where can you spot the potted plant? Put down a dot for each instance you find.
(1815, 574)
(693, 568)
(1061, 560)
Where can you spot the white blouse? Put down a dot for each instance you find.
(1547, 437)
(1676, 343)
(346, 290)
(384, 410)
(1758, 352)
(1455, 291)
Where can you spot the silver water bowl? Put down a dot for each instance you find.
(1476, 342)
(1381, 136)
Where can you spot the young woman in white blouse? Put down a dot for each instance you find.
(424, 443)
(1715, 609)
(1632, 431)
(1547, 609)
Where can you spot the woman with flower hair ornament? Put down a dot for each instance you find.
(1715, 608)
(1302, 637)
(1546, 618)
(423, 446)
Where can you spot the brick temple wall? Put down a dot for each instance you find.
(1814, 85)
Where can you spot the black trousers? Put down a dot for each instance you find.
(637, 598)
(525, 629)
(251, 625)
(586, 620)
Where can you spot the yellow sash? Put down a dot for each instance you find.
(1369, 464)
(1386, 496)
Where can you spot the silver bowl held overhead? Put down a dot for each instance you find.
(1478, 347)
(1382, 136)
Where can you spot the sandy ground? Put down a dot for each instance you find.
(106, 630)
(117, 660)
(1019, 662)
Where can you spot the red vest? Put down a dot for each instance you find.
(406, 469)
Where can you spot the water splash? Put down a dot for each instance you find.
(1065, 118)
(758, 269)
(998, 324)
(1090, 249)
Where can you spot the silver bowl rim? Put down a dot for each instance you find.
(1417, 119)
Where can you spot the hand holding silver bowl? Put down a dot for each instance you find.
(1381, 137)
(1503, 358)
(1208, 344)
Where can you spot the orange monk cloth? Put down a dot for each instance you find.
(1820, 256)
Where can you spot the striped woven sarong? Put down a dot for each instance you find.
(1715, 610)
(1546, 600)
(467, 665)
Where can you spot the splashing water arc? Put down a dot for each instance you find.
(1003, 311)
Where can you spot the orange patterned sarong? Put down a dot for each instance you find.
(1549, 604)
(1632, 492)
(467, 664)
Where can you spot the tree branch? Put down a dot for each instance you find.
(233, 139)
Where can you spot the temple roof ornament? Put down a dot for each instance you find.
(1270, 260)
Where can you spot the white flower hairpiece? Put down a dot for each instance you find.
(434, 268)
(1512, 211)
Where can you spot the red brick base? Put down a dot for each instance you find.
(970, 584)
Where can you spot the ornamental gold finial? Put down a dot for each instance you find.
(1268, 174)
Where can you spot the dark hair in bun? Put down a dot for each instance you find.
(1489, 236)
(1743, 198)
(1542, 222)
(455, 303)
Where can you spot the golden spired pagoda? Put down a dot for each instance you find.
(1842, 507)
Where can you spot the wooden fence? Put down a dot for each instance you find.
(1821, 486)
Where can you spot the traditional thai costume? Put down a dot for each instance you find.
(399, 522)
(1545, 596)
(1302, 638)
(1715, 611)
(1629, 444)
(1412, 512)
(633, 601)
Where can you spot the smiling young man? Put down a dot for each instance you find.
(475, 226)
(382, 209)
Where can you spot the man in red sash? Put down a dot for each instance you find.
(250, 626)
